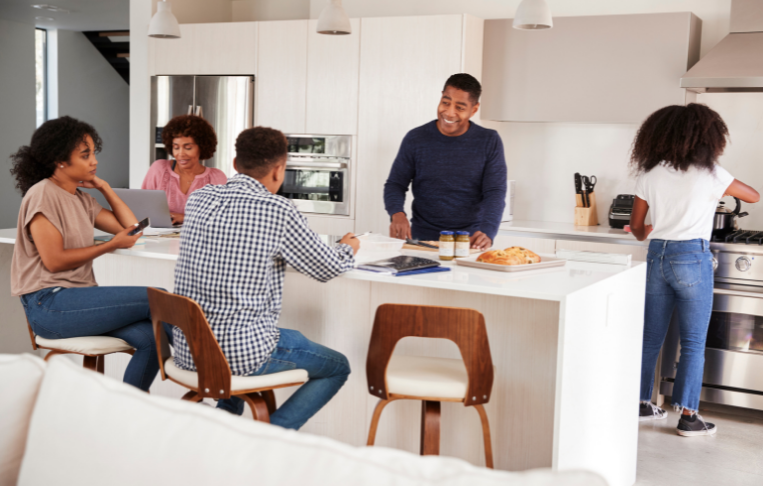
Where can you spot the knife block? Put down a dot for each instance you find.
(586, 216)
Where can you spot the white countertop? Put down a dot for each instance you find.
(568, 229)
(550, 284)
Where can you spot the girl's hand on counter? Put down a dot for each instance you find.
(123, 240)
(349, 239)
(480, 241)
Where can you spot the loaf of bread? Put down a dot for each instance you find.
(515, 255)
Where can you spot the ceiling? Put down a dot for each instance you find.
(82, 14)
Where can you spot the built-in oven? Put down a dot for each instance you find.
(733, 372)
(318, 173)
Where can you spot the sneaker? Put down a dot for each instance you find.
(694, 424)
(649, 411)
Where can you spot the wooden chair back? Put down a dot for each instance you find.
(211, 366)
(465, 327)
(31, 335)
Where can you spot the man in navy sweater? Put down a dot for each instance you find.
(457, 172)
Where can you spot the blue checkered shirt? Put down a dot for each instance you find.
(237, 239)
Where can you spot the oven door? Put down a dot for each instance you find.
(317, 188)
(734, 349)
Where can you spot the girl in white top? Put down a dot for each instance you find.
(675, 156)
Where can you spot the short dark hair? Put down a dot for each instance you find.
(52, 143)
(465, 82)
(682, 137)
(192, 126)
(258, 149)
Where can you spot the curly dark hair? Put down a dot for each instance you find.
(51, 144)
(682, 137)
(258, 149)
(192, 126)
(465, 82)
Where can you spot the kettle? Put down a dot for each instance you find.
(724, 221)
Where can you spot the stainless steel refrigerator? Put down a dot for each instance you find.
(226, 102)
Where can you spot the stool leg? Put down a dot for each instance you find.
(375, 420)
(90, 362)
(430, 428)
(192, 396)
(258, 405)
(270, 400)
(486, 436)
(100, 364)
(52, 353)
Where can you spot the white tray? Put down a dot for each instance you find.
(546, 262)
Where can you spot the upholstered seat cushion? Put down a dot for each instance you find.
(420, 376)
(85, 345)
(238, 383)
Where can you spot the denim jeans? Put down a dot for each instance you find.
(121, 312)
(326, 368)
(679, 276)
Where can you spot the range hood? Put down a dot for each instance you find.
(736, 63)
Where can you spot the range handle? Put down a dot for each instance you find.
(315, 165)
(738, 293)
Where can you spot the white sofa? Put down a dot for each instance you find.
(62, 424)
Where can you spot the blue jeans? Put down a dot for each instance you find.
(679, 276)
(326, 368)
(121, 312)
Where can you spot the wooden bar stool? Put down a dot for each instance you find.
(93, 349)
(212, 377)
(431, 380)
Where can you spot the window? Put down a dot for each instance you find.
(41, 74)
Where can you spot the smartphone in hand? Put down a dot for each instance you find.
(141, 226)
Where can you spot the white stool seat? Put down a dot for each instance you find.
(237, 383)
(420, 376)
(90, 345)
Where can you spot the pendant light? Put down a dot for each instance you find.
(334, 20)
(533, 15)
(163, 24)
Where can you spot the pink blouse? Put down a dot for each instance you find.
(161, 177)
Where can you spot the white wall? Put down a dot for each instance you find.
(196, 11)
(90, 90)
(17, 103)
(252, 10)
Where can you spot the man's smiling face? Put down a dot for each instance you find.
(455, 109)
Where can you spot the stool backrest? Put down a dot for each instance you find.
(213, 370)
(465, 327)
(31, 335)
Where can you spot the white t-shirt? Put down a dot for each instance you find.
(682, 203)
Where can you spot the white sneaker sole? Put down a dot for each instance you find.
(653, 417)
(694, 433)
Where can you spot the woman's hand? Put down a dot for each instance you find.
(96, 183)
(177, 218)
(123, 240)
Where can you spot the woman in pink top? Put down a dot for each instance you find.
(191, 139)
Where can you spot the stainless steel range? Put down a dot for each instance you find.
(734, 350)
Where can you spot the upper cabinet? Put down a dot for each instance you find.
(333, 64)
(217, 48)
(282, 76)
(603, 69)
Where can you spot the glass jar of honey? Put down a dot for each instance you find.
(447, 245)
(462, 244)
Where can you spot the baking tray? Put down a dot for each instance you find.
(546, 262)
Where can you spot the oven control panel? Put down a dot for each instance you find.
(737, 265)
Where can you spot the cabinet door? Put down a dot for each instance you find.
(282, 75)
(176, 56)
(404, 64)
(638, 252)
(333, 63)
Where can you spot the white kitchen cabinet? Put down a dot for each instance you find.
(638, 252)
(333, 64)
(228, 48)
(282, 75)
(404, 63)
(598, 69)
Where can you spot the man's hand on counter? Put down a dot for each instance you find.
(400, 227)
(480, 241)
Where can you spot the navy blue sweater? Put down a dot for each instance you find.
(459, 183)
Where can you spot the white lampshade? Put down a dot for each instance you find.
(532, 15)
(163, 24)
(334, 20)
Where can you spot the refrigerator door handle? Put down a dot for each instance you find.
(190, 110)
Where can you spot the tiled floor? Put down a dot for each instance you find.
(732, 457)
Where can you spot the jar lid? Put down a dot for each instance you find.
(462, 233)
(446, 232)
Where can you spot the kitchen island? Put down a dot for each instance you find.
(565, 343)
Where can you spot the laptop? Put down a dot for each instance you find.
(143, 203)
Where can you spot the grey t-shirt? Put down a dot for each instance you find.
(73, 215)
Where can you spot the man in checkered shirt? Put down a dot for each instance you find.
(237, 239)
